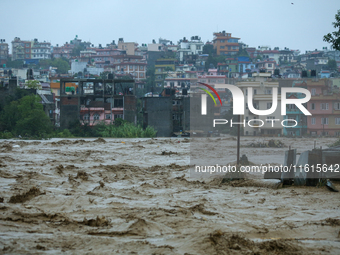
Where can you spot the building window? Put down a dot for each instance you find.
(131, 67)
(269, 105)
(141, 68)
(222, 41)
(118, 103)
(108, 116)
(324, 121)
(313, 92)
(270, 118)
(270, 65)
(337, 121)
(336, 106)
(312, 106)
(233, 40)
(324, 106)
(255, 91)
(141, 75)
(313, 121)
(221, 47)
(96, 116)
(118, 116)
(175, 117)
(86, 116)
(268, 91)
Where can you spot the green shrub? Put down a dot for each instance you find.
(64, 134)
(126, 130)
(6, 135)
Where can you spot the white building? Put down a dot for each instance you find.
(193, 47)
(77, 67)
(40, 50)
(262, 87)
(155, 47)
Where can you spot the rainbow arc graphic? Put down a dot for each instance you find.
(208, 92)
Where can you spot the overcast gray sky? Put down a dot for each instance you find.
(257, 22)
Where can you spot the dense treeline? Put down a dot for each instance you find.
(22, 115)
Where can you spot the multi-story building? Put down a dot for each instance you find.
(96, 101)
(292, 112)
(67, 50)
(129, 47)
(155, 46)
(167, 114)
(129, 67)
(3, 51)
(212, 77)
(262, 87)
(225, 44)
(162, 67)
(30, 50)
(192, 47)
(114, 60)
(271, 54)
(287, 56)
(21, 49)
(64, 51)
(40, 50)
(324, 106)
(268, 65)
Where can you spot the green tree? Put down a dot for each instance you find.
(9, 117)
(209, 49)
(25, 117)
(61, 64)
(214, 61)
(14, 64)
(332, 64)
(243, 53)
(104, 75)
(334, 37)
(33, 84)
(76, 50)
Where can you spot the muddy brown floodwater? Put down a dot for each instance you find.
(135, 196)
